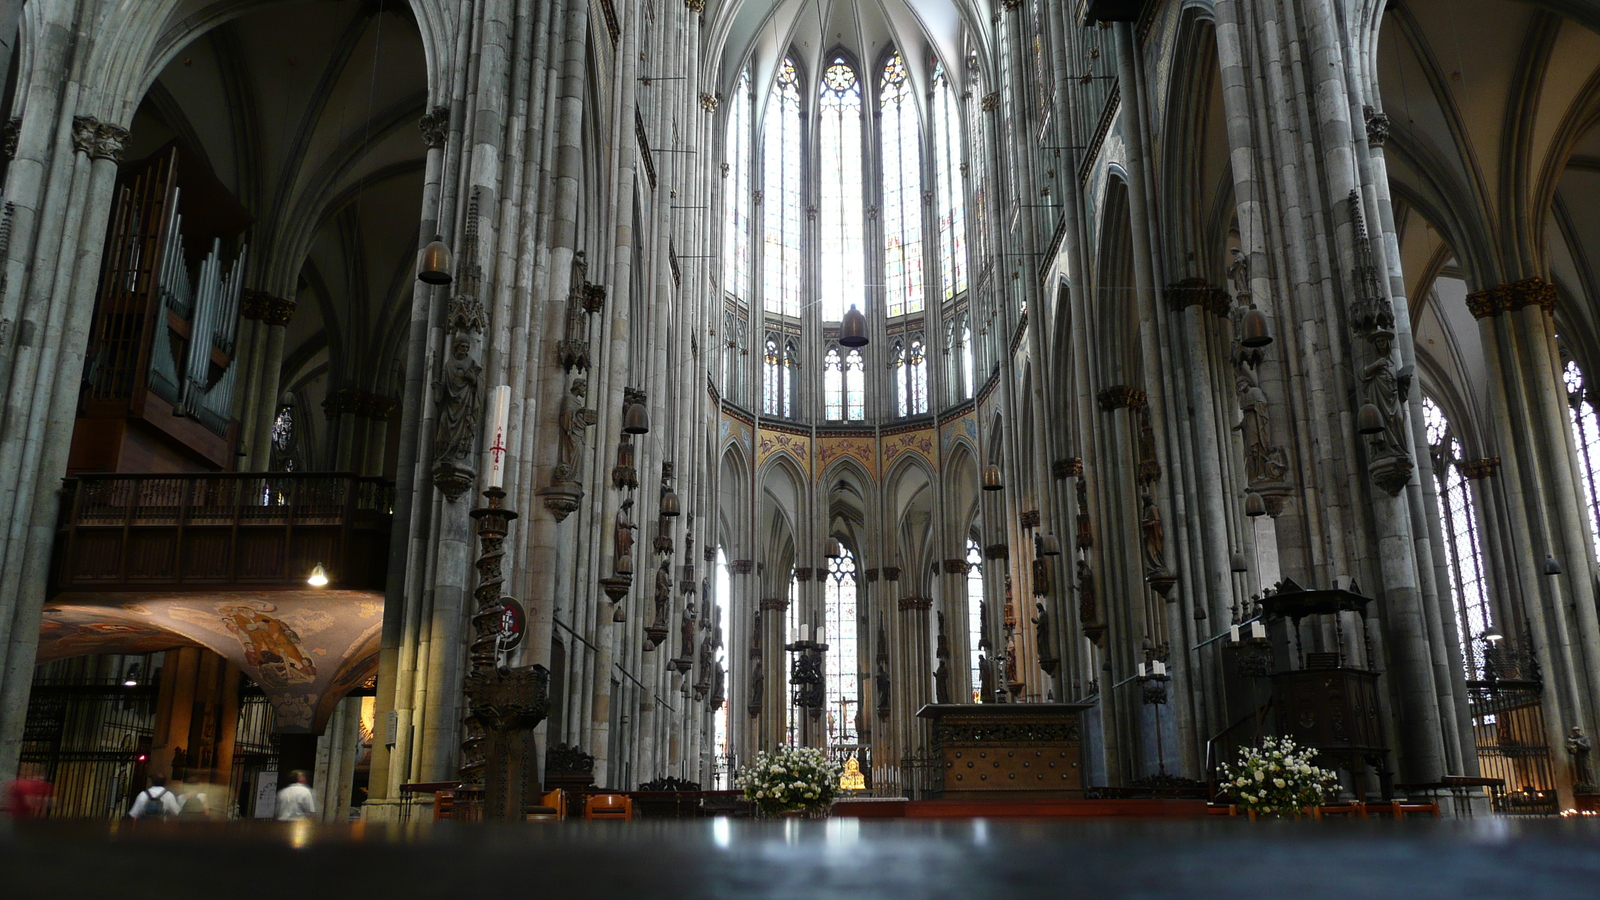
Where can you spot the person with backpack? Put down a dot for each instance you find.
(155, 802)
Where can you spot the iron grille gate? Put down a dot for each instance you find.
(1508, 724)
(92, 742)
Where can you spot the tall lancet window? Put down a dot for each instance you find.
(1460, 525)
(952, 203)
(736, 194)
(842, 666)
(967, 384)
(975, 617)
(777, 395)
(782, 147)
(902, 191)
(1586, 435)
(841, 275)
(843, 382)
(910, 372)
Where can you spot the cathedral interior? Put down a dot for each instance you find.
(478, 402)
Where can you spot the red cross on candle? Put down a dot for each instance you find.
(498, 449)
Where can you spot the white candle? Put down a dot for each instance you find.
(499, 420)
(1233, 633)
(1257, 630)
(1141, 670)
(1160, 667)
(805, 633)
(818, 636)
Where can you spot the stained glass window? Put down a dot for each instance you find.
(736, 194)
(917, 378)
(975, 617)
(833, 385)
(967, 383)
(902, 192)
(842, 274)
(897, 371)
(773, 370)
(283, 429)
(952, 203)
(730, 357)
(855, 386)
(721, 724)
(1586, 435)
(839, 633)
(1460, 525)
(782, 148)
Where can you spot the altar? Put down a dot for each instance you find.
(1007, 750)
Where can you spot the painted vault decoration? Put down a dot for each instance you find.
(306, 649)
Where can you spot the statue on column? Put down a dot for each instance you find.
(622, 540)
(686, 631)
(1154, 542)
(1386, 389)
(758, 686)
(459, 398)
(1263, 462)
(1041, 626)
(1578, 748)
(663, 591)
(941, 681)
(985, 679)
(574, 419)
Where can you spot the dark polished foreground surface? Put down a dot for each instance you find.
(834, 858)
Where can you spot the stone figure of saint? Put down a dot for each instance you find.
(1087, 602)
(459, 398)
(941, 681)
(758, 686)
(1578, 748)
(663, 592)
(1011, 660)
(1041, 578)
(1382, 387)
(622, 540)
(943, 650)
(1153, 543)
(686, 631)
(1041, 630)
(755, 634)
(719, 686)
(1262, 461)
(985, 680)
(1239, 273)
(574, 418)
(881, 681)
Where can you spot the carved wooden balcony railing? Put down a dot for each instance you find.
(226, 531)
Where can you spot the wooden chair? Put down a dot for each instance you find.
(552, 808)
(608, 806)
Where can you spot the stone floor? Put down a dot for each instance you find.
(1225, 858)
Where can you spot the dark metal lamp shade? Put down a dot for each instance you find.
(435, 265)
(853, 331)
(636, 420)
(1254, 506)
(1369, 420)
(1254, 330)
(991, 478)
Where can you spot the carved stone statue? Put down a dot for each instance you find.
(1578, 748)
(1153, 544)
(663, 591)
(755, 634)
(1088, 604)
(686, 631)
(943, 651)
(1011, 660)
(941, 681)
(758, 687)
(1041, 578)
(574, 419)
(880, 680)
(1263, 462)
(985, 680)
(1385, 389)
(459, 397)
(622, 540)
(1239, 274)
(1041, 628)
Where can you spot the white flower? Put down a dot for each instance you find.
(1279, 782)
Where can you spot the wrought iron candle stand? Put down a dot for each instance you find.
(505, 704)
(805, 675)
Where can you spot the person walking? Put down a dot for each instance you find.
(155, 802)
(296, 801)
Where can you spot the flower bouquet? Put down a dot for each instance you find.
(1278, 779)
(789, 779)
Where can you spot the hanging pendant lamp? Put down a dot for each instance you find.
(1254, 506)
(435, 265)
(853, 331)
(636, 420)
(1049, 545)
(991, 478)
(1369, 420)
(1255, 332)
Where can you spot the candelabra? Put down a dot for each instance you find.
(805, 673)
(1255, 653)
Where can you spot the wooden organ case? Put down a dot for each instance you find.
(159, 375)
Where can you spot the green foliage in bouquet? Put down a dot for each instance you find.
(1278, 779)
(789, 778)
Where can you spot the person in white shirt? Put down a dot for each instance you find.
(155, 801)
(295, 801)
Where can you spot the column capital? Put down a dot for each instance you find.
(955, 566)
(742, 566)
(891, 573)
(1377, 126)
(914, 604)
(1196, 292)
(1512, 296)
(1474, 469)
(435, 126)
(100, 140)
(1121, 396)
(997, 551)
(1071, 467)
(778, 604)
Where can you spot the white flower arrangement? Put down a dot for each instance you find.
(1277, 779)
(789, 778)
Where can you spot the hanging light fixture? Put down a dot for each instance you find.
(991, 478)
(319, 576)
(636, 420)
(1493, 637)
(435, 265)
(669, 502)
(1254, 506)
(1237, 563)
(1254, 330)
(1551, 567)
(835, 549)
(853, 331)
(1049, 545)
(1369, 420)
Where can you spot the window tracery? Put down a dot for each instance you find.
(902, 191)
(975, 617)
(952, 203)
(1460, 524)
(1586, 436)
(782, 148)
(839, 633)
(736, 240)
(841, 275)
